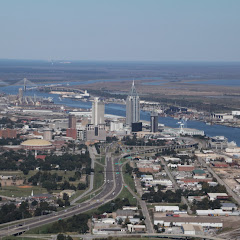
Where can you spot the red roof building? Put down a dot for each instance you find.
(185, 168)
(220, 164)
(71, 132)
(188, 180)
(42, 157)
(8, 133)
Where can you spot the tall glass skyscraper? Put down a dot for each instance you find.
(132, 107)
(98, 110)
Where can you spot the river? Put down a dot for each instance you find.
(233, 134)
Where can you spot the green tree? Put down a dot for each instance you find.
(60, 236)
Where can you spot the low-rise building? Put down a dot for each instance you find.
(108, 220)
(172, 159)
(123, 214)
(155, 182)
(228, 206)
(218, 142)
(220, 164)
(190, 229)
(136, 228)
(105, 228)
(186, 168)
(130, 208)
(148, 167)
(216, 212)
(166, 208)
(215, 196)
(195, 198)
(199, 174)
(145, 178)
(179, 221)
(8, 133)
(188, 180)
(222, 117)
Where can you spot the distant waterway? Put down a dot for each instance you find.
(233, 134)
(217, 82)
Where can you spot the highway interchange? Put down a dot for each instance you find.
(112, 187)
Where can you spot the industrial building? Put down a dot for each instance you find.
(180, 221)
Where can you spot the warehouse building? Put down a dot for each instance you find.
(180, 221)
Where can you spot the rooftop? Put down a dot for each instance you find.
(189, 219)
(36, 143)
(217, 195)
(198, 171)
(231, 205)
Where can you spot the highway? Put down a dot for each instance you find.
(112, 187)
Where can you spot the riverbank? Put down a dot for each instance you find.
(233, 134)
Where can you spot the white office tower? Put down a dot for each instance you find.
(132, 107)
(98, 110)
(116, 126)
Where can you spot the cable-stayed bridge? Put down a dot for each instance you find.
(25, 83)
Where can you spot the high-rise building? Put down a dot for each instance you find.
(154, 122)
(72, 132)
(20, 93)
(47, 134)
(96, 132)
(98, 110)
(72, 121)
(132, 107)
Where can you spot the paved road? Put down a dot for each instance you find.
(135, 236)
(143, 205)
(111, 189)
(220, 181)
(175, 185)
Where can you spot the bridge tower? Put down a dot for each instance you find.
(25, 84)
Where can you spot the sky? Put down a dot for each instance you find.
(120, 30)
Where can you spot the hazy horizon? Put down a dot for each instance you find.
(116, 61)
(111, 30)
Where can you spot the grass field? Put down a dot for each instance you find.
(22, 238)
(98, 176)
(39, 230)
(15, 191)
(101, 159)
(126, 194)
(128, 179)
(89, 196)
(18, 191)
